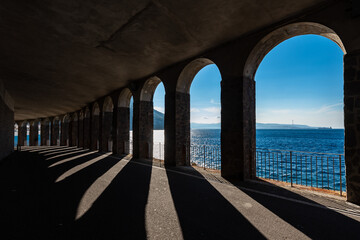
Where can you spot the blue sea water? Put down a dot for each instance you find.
(314, 140)
(318, 170)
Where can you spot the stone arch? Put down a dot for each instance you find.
(65, 122)
(95, 127)
(81, 129)
(123, 144)
(107, 125)
(276, 37)
(55, 131)
(108, 105)
(45, 132)
(178, 152)
(96, 109)
(22, 133)
(73, 129)
(148, 89)
(124, 98)
(256, 56)
(188, 73)
(87, 130)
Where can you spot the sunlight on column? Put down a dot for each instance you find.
(81, 166)
(160, 208)
(72, 158)
(98, 187)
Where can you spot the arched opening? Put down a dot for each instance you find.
(45, 132)
(81, 129)
(87, 128)
(198, 104)
(298, 106)
(65, 130)
(73, 130)
(125, 122)
(144, 120)
(107, 129)
(159, 117)
(95, 127)
(16, 134)
(55, 133)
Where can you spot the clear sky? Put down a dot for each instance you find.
(300, 80)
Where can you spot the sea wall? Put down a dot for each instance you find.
(6, 123)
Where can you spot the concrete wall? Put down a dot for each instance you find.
(6, 123)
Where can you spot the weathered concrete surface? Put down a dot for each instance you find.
(86, 195)
(352, 125)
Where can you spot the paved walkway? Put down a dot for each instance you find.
(70, 193)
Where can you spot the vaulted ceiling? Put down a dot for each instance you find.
(58, 55)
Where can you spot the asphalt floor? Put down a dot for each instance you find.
(71, 193)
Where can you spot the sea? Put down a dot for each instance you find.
(272, 140)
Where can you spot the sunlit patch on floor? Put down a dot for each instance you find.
(81, 166)
(97, 188)
(72, 158)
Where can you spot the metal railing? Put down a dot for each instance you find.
(319, 170)
(206, 156)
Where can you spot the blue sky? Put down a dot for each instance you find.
(300, 80)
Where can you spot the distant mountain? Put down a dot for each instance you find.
(159, 124)
(158, 120)
(205, 126)
(282, 126)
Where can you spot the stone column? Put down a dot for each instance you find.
(81, 132)
(122, 130)
(73, 132)
(54, 133)
(64, 133)
(107, 124)
(237, 128)
(94, 132)
(352, 125)
(177, 129)
(143, 129)
(87, 132)
(21, 133)
(34, 138)
(44, 133)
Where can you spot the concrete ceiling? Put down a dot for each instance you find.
(58, 55)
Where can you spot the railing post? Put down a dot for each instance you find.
(340, 175)
(291, 180)
(204, 156)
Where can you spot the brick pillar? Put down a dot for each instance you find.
(122, 130)
(352, 125)
(64, 133)
(143, 129)
(81, 132)
(45, 133)
(177, 129)
(54, 133)
(237, 128)
(106, 131)
(87, 132)
(94, 132)
(34, 138)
